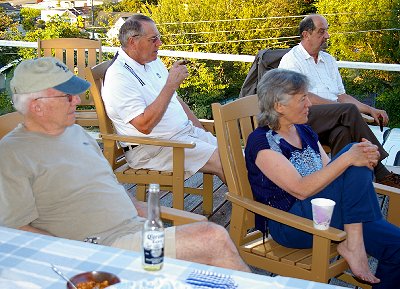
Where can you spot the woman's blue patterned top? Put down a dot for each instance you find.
(306, 161)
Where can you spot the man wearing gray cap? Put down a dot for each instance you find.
(54, 179)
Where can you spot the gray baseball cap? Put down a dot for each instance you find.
(34, 75)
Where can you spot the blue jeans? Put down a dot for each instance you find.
(356, 202)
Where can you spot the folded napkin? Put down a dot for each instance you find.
(201, 279)
(157, 283)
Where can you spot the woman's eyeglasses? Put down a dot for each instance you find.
(70, 97)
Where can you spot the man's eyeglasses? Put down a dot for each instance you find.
(70, 97)
(152, 39)
(155, 38)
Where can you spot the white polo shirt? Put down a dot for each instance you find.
(324, 76)
(130, 87)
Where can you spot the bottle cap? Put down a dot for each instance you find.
(154, 187)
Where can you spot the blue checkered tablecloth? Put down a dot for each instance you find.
(25, 260)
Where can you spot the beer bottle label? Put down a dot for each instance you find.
(153, 246)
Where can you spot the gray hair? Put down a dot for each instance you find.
(132, 26)
(21, 100)
(307, 24)
(277, 86)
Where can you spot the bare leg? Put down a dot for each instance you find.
(214, 166)
(353, 250)
(208, 243)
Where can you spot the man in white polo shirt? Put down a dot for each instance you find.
(334, 114)
(140, 98)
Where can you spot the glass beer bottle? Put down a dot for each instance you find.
(153, 232)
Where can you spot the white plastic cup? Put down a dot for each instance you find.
(322, 210)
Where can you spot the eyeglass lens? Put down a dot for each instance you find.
(155, 38)
(70, 97)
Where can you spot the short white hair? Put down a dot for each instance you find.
(21, 101)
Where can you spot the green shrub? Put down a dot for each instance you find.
(377, 40)
(6, 105)
(390, 101)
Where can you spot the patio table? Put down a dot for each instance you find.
(25, 260)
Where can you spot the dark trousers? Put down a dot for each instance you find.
(337, 125)
(356, 202)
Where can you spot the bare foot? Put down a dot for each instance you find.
(358, 262)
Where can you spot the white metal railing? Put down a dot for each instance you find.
(242, 58)
(224, 57)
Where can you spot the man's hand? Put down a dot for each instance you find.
(376, 113)
(362, 107)
(153, 113)
(30, 228)
(141, 207)
(177, 74)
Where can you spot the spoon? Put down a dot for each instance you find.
(55, 269)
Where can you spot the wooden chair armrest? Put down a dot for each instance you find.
(286, 218)
(179, 217)
(387, 190)
(394, 202)
(148, 141)
(208, 125)
(367, 118)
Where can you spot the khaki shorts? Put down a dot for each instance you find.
(133, 242)
(160, 158)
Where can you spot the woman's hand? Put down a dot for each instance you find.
(364, 154)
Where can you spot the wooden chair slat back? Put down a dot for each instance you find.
(112, 152)
(76, 53)
(234, 122)
(95, 75)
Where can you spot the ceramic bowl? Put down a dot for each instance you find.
(95, 276)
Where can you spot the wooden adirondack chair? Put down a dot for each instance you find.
(9, 121)
(168, 180)
(234, 122)
(177, 217)
(77, 54)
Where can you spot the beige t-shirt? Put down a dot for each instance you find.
(62, 184)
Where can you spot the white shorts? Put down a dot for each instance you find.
(160, 158)
(133, 242)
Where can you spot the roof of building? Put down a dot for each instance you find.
(8, 7)
(109, 18)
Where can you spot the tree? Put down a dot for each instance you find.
(128, 6)
(29, 18)
(221, 26)
(123, 6)
(8, 28)
(56, 27)
(6, 105)
(5, 23)
(367, 31)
